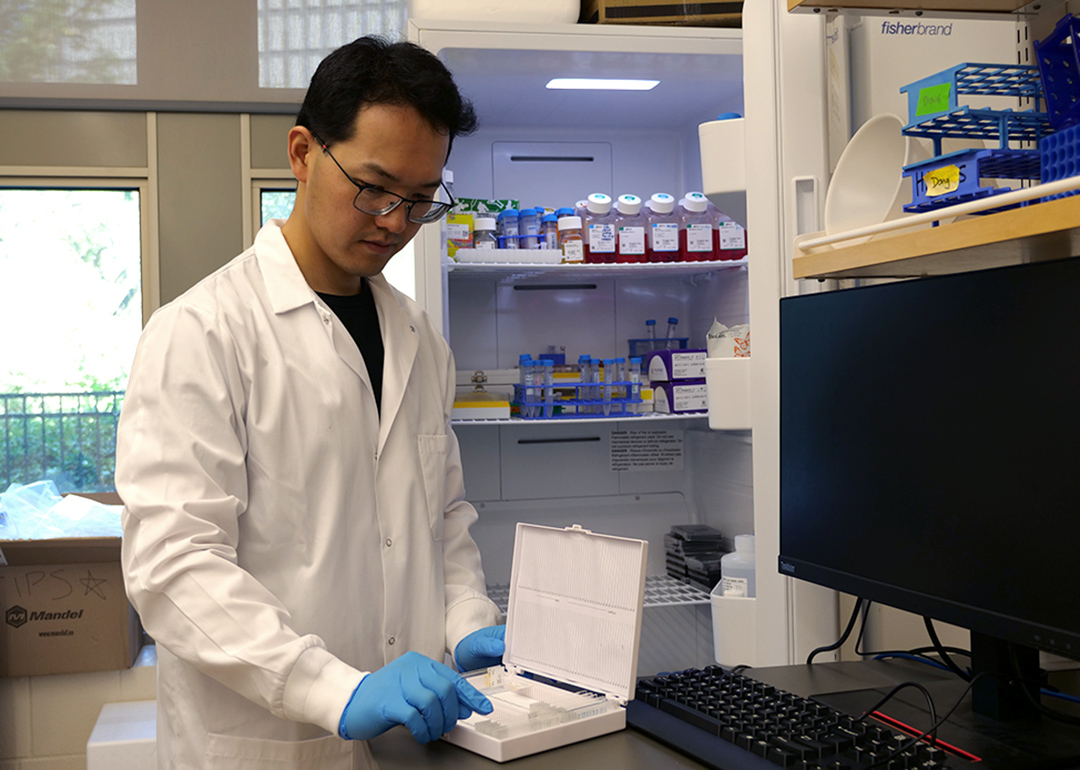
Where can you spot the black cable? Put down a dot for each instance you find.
(1046, 711)
(935, 723)
(843, 637)
(942, 653)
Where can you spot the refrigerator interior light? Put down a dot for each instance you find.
(603, 84)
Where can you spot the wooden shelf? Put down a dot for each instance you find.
(1035, 233)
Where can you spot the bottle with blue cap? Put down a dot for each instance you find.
(508, 229)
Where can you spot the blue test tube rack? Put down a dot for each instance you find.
(531, 403)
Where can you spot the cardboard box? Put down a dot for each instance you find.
(680, 397)
(64, 608)
(674, 365)
(715, 14)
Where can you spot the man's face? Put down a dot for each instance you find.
(393, 148)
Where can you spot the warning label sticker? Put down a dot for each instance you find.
(646, 450)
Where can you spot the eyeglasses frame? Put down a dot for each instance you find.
(362, 187)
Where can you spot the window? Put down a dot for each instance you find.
(68, 41)
(295, 35)
(71, 307)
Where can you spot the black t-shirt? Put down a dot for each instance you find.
(359, 315)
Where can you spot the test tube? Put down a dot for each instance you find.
(549, 387)
(635, 385)
(584, 376)
(650, 335)
(672, 330)
(524, 379)
(620, 376)
(528, 408)
(597, 378)
(609, 375)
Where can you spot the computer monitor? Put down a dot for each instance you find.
(930, 454)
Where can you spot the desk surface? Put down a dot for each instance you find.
(629, 749)
(849, 686)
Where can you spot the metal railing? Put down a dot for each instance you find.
(67, 437)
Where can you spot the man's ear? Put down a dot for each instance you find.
(301, 146)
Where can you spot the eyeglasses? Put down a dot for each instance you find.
(376, 202)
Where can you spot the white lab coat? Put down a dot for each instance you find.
(280, 539)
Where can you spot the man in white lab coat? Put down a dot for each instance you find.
(296, 537)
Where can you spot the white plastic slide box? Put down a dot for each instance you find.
(573, 619)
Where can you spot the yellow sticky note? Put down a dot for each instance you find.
(942, 180)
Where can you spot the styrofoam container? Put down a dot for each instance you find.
(125, 735)
(574, 617)
(548, 12)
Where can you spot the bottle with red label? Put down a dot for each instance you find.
(599, 226)
(697, 243)
(661, 229)
(629, 229)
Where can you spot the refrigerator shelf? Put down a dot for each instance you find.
(647, 417)
(660, 591)
(517, 270)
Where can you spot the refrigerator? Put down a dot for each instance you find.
(804, 82)
(631, 477)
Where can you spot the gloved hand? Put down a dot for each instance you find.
(481, 648)
(415, 691)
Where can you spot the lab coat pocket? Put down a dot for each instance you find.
(433, 463)
(228, 752)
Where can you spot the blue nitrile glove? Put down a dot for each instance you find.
(481, 649)
(415, 691)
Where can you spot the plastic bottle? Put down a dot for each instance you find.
(696, 225)
(571, 241)
(508, 229)
(662, 229)
(737, 569)
(529, 228)
(484, 233)
(565, 211)
(549, 231)
(630, 229)
(599, 226)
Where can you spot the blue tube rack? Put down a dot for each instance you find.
(958, 177)
(934, 112)
(618, 408)
(1058, 56)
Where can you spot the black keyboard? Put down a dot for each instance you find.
(732, 722)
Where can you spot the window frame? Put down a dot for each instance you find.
(49, 178)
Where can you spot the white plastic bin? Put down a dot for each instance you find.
(728, 383)
(734, 623)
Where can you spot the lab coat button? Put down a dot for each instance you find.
(412, 329)
(389, 542)
(390, 640)
(326, 319)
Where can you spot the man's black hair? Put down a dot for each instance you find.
(372, 70)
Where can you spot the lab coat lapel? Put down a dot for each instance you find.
(401, 341)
